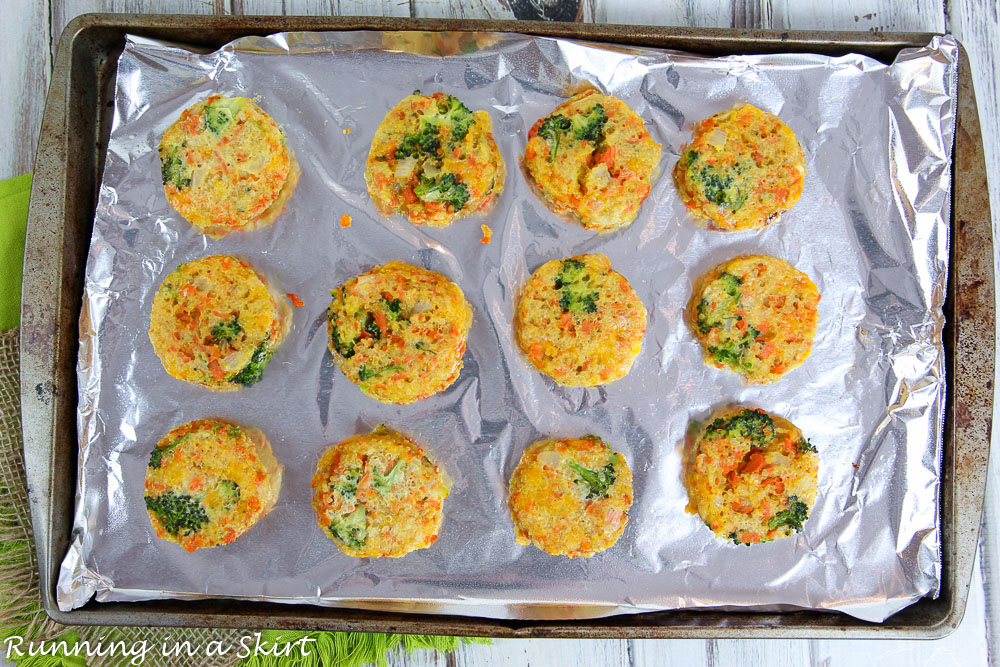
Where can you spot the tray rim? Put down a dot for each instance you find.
(52, 297)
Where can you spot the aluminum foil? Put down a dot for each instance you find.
(871, 230)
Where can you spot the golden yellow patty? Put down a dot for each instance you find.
(398, 331)
(742, 168)
(571, 497)
(433, 160)
(751, 476)
(593, 159)
(209, 481)
(216, 323)
(379, 495)
(226, 167)
(754, 315)
(580, 322)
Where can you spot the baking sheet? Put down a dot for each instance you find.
(870, 230)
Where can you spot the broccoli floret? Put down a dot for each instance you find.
(352, 529)
(577, 294)
(395, 308)
(692, 156)
(550, 130)
(728, 284)
(156, 457)
(424, 142)
(753, 424)
(590, 126)
(173, 170)
(230, 492)
(446, 189)
(221, 112)
(457, 115)
(731, 352)
(225, 332)
(348, 484)
(597, 481)
(384, 483)
(178, 513)
(724, 190)
(346, 350)
(232, 431)
(372, 327)
(365, 374)
(253, 371)
(804, 446)
(793, 517)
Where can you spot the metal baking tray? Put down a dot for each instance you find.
(68, 165)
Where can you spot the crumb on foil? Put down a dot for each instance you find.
(296, 301)
(345, 220)
(487, 234)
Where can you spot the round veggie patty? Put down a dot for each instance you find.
(571, 497)
(755, 315)
(593, 159)
(216, 323)
(226, 167)
(379, 495)
(580, 322)
(742, 168)
(433, 160)
(209, 481)
(398, 331)
(751, 476)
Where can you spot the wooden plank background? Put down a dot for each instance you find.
(29, 33)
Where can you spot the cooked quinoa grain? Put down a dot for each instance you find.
(226, 167)
(742, 169)
(208, 482)
(593, 159)
(751, 476)
(571, 497)
(755, 315)
(379, 495)
(580, 322)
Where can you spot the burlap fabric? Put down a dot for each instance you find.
(19, 598)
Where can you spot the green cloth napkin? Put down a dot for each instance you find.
(13, 220)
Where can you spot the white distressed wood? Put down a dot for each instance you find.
(462, 9)
(323, 7)
(25, 64)
(654, 652)
(689, 13)
(544, 653)
(63, 11)
(872, 15)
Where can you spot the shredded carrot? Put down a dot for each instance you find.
(345, 220)
(296, 301)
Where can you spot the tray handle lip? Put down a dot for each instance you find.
(49, 196)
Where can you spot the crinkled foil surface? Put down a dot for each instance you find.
(871, 230)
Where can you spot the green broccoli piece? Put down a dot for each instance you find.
(423, 348)
(457, 115)
(178, 513)
(174, 171)
(348, 485)
(753, 424)
(230, 492)
(724, 190)
(730, 285)
(577, 294)
(804, 446)
(156, 457)
(692, 156)
(352, 529)
(394, 307)
(597, 481)
(731, 352)
(232, 431)
(793, 517)
(346, 350)
(424, 143)
(225, 332)
(372, 327)
(551, 129)
(221, 112)
(445, 188)
(252, 372)
(384, 483)
(590, 126)
(365, 374)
